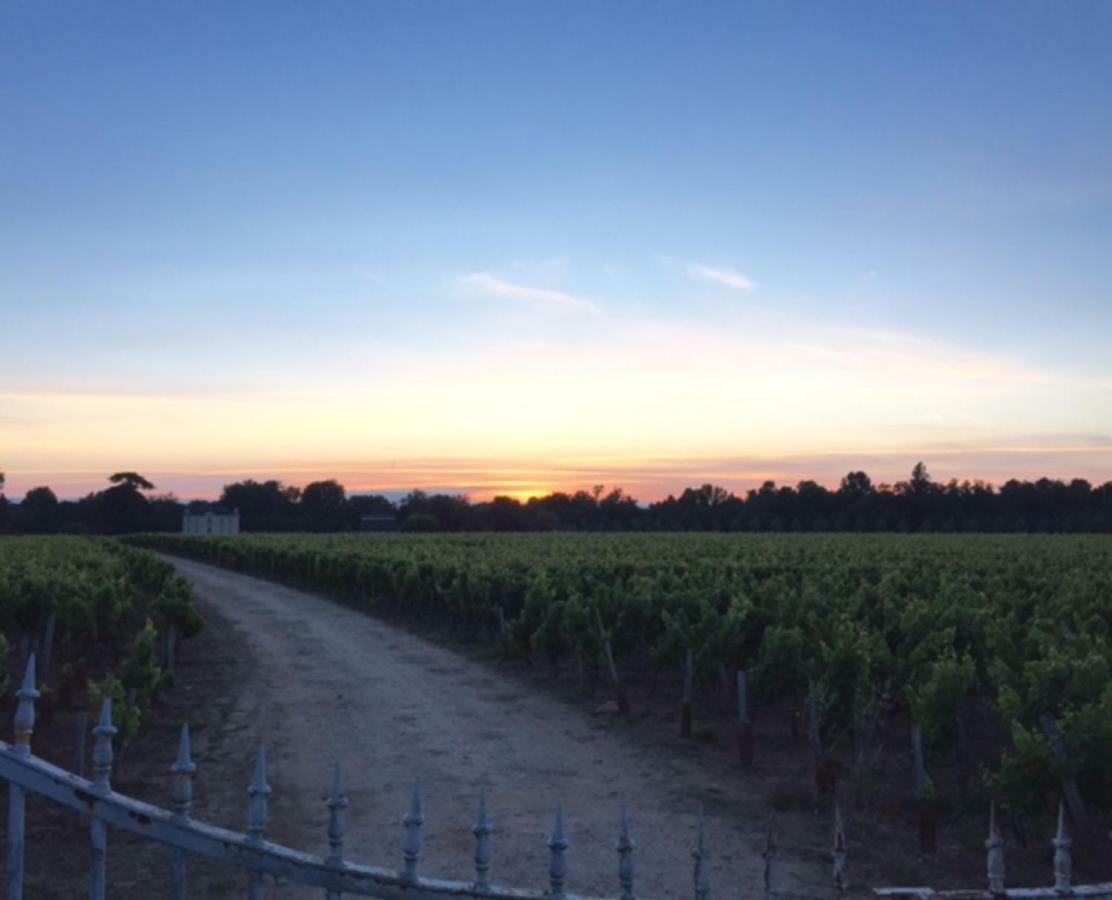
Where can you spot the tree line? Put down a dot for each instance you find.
(918, 504)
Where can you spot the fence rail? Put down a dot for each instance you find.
(249, 850)
(334, 875)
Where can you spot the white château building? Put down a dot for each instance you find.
(210, 520)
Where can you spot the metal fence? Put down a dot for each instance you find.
(332, 873)
(996, 882)
(249, 850)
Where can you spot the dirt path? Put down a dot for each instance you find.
(324, 683)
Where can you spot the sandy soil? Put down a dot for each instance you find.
(320, 682)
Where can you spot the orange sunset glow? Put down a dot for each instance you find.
(682, 302)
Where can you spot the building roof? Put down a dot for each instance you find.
(198, 509)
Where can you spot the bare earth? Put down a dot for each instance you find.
(325, 683)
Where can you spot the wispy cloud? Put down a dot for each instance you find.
(722, 275)
(734, 395)
(493, 286)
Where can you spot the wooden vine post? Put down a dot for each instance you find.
(615, 679)
(688, 684)
(924, 803)
(1071, 796)
(839, 872)
(961, 750)
(745, 735)
(769, 856)
(171, 648)
(503, 632)
(818, 758)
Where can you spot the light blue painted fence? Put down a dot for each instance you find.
(995, 871)
(250, 851)
(333, 874)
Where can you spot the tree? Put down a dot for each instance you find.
(920, 479)
(121, 509)
(416, 502)
(454, 512)
(917, 504)
(812, 504)
(420, 522)
(619, 511)
(38, 513)
(506, 514)
(700, 508)
(166, 513)
(451, 512)
(133, 479)
(855, 485)
(360, 505)
(323, 506)
(3, 506)
(263, 506)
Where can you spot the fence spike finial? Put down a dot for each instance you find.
(102, 749)
(183, 769)
(337, 818)
(184, 750)
(25, 711)
(558, 864)
(105, 720)
(258, 792)
(1063, 861)
(29, 674)
(702, 868)
(995, 855)
(840, 875)
(413, 821)
(482, 831)
(625, 857)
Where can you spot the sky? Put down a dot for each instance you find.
(512, 247)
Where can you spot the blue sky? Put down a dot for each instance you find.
(250, 221)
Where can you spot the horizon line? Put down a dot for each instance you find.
(520, 490)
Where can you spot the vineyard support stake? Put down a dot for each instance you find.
(48, 646)
(745, 738)
(1070, 794)
(928, 824)
(818, 757)
(623, 698)
(688, 679)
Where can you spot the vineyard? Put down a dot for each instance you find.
(95, 612)
(994, 649)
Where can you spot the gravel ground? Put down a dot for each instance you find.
(319, 683)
